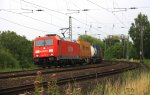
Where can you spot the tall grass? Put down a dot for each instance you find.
(133, 84)
(73, 89)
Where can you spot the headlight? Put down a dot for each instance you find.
(37, 55)
(37, 51)
(50, 50)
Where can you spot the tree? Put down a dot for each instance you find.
(18, 46)
(112, 43)
(114, 52)
(132, 51)
(112, 40)
(140, 34)
(7, 60)
(92, 40)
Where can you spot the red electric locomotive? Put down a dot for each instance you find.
(51, 50)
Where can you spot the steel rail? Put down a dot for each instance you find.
(48, 71)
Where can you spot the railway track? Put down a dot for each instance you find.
(60, 81)
(15, 74)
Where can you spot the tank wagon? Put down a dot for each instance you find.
(52, 50)
(96, 54)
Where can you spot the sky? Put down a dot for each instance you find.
(99, 18)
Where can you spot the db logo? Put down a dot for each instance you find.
(70, 49)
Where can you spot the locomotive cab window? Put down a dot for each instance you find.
(46, 42)
(39, 42)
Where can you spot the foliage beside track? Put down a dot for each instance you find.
(15, 51)
(147, 62)
(131, 84)
(7, 60)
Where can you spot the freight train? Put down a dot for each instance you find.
(52, 50)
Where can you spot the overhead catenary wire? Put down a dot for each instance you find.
(31, 11)
(89, 25)
(91, 16)
(88, 16)
(23, 25)
(125, 9)
(84, 23)
(107, 11)
(56, 16)
(34, 18)
(42, 10)
(58, 13)
(100, 6)
(76, 18)
(81, 10)
(66, 4)
(44, 7)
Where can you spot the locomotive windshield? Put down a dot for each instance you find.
(46, 42)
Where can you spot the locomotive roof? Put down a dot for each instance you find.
(51, 35)
(47, 35)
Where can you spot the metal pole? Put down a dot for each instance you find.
(99, 36)
(105, 50)
(122, 38)
(127, 54)
(70, 28)
(141, 46)
(124, 47)
(85, 32)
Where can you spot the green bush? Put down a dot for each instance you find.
(147, 62)
(113, 52)
(7, 60)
